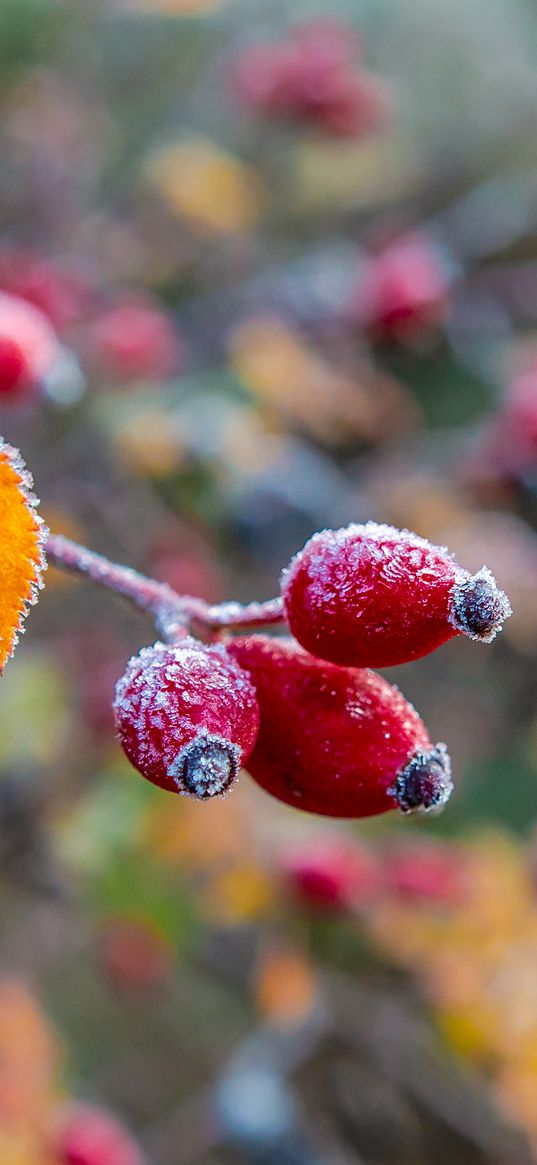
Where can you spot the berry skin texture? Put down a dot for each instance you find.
(187, 717)
(91, 1136)
(374, 596)
(340, 742)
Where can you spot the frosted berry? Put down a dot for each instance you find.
(341, 742)
(90, 1136)
(375, 596)
(331, 873)
(187, 717)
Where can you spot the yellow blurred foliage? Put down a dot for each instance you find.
(147, 444)
(239, 894)
(197, 835)
(476, 961)
(36, 700)
(279, 367)
(29, 1060)
(339, 174)
(285, 987)
(172, 7)
(214, 191)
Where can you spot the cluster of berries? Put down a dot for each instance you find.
(316, 728)
(312, 78)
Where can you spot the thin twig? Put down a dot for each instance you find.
(174, 615)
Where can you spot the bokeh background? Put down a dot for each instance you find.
(284, 260)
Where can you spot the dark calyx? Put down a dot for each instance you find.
(207, 767)
(479, 607)
(425, 784)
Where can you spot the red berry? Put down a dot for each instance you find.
(403, 290)
(187, 717)
(28, 347)
(426, 870)
(13, 371)
(332, 873)
(375, 596)
(135, 339)
(341, 742)
(309, 78)
(93, 1137)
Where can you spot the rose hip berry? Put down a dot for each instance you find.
(375, 596)
(341, 742)
(187, 717)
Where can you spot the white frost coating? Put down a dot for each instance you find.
(174, 699)
(26, 486)
(330, 542)
(207, 780)
(500, 607)
(424, 785)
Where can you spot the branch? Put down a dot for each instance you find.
(174, 615)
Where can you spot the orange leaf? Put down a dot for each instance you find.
(21, 548)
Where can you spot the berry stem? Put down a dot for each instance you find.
(174, 615)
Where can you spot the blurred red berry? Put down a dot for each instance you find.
(332, 873)
(403, 291)
(187, 717)
(135, 954)
(59, 294)
(510, 442)
(12, 365)
(341, 742)
(426, 870)
(375, 596)
(134, 340)
(28, 347)
(310, 78)
(91, 1136)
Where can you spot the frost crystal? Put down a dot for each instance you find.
(479, 607)
(424, 785)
